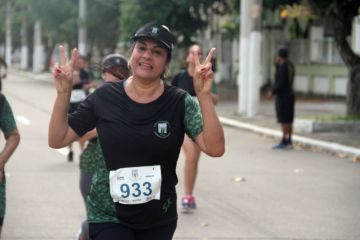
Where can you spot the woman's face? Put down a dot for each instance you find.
(194, 49)
(148, 59)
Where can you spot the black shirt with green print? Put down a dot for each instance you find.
(129, 137)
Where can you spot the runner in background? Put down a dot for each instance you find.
(83, 81)
(184, 79)
(114, 68)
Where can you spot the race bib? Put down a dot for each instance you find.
(77, 95)
(135, 185)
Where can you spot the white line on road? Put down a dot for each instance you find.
(64, 151)
(23, 120)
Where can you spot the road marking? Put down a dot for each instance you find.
(64, 151)
(23, 120)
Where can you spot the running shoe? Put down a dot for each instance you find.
(188, 202)
(79, 235)
(70, 156)
(283, 146)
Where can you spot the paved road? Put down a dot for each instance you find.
(252, 192)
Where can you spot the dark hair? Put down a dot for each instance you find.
(283, 52)
(83, 57)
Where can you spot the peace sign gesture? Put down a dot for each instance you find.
(203, 76)
(63, 72)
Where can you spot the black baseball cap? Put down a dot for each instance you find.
(113, 60)
(157, 32)
(115, 64)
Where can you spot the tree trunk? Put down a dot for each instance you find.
(353, 97)
(342, 20)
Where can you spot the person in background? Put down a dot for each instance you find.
(114, 68)
(12, 139)
(140, 123)
(184, 80)
(4, 67)
(83, 81)
(284, 97)
(85, 74)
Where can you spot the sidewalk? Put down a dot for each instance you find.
(345, 144)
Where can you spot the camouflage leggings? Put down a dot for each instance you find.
(2, 200)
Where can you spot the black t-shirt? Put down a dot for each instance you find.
(128, 138)
(284, 79)
(184, 81)
(85, 78)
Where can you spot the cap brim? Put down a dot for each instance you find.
(156, 39)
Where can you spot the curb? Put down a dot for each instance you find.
(329, 146)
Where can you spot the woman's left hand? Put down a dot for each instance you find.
(203, 76)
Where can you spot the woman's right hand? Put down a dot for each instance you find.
(203, 76)
(63, 72)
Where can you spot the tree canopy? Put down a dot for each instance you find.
(183, 17)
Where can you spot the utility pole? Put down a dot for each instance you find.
(356, 34)
(38, 55)
(8, 46)
(24, 46)
(243, 75)
(253, 100)
(82, 28)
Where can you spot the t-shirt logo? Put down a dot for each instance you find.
(154, 31)
(162, 129)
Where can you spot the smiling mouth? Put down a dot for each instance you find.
(145, 65)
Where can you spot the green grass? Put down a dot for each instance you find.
(346, 118)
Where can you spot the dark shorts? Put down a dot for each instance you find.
(110, 231)
(285, 108)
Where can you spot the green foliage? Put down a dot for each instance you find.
(59, 21)
(230, 29)
(321, 6)
(183, 17)
(274, 4)
(332, 118)
(111, 20)
(2, 21)
(103, 24)
(18, 8)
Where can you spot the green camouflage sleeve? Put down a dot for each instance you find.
(193, 117)
(7, 120)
